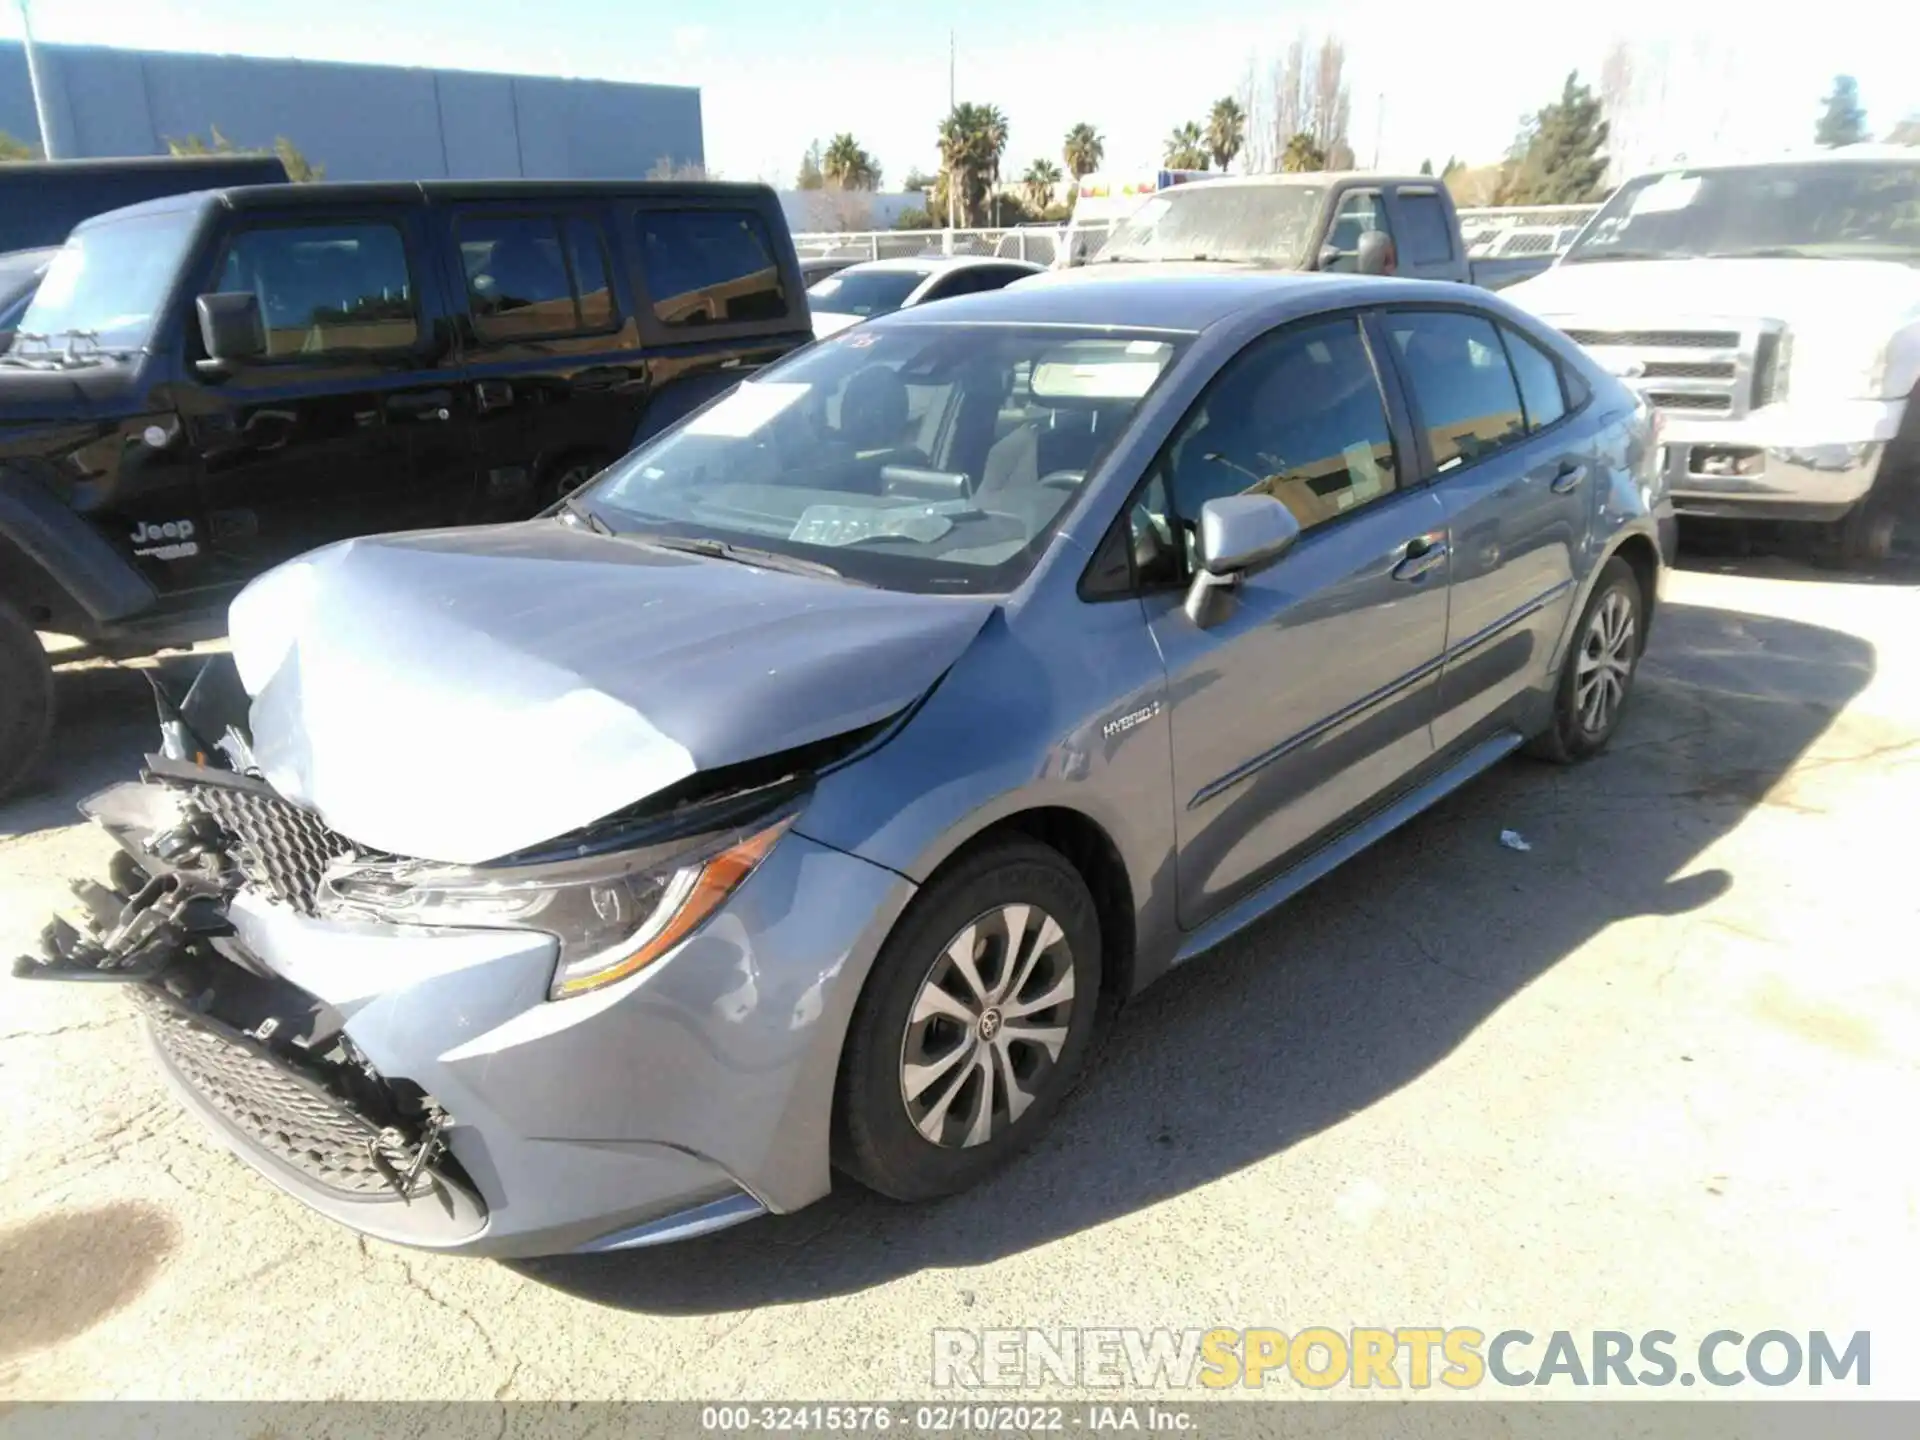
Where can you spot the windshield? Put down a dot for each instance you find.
(865, 292)
(109, 281)
(1846, 210)
(1265, 224)
(925, 457)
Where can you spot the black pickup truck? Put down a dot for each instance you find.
(206, 385)
(1349, 221)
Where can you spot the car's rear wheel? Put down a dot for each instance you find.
(1596, 679)
(974, 1025)
(26, 698)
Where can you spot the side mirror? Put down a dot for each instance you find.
(1239, 534)
(231, 329)
(1328, 257)
(1376, 252)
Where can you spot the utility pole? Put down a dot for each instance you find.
(1379, 127)
(37, 83)
(951, 103)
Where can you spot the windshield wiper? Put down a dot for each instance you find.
(573, 506)
(1767, 252)
(1579, 259)
(741, 554)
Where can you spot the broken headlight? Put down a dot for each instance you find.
(614, 913)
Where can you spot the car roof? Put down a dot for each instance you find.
(284, 196)
(1174, 298)
(1865, 153)
(937, 264)
(1315, 178)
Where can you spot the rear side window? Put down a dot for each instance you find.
(709, 267)
(531, 275)
(1539, 377)
(324, 289)
(1426, 238)
(1462, 386)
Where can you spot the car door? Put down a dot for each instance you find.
(1517, 481)
(552, 352)
(349, 424)
(1314, 696)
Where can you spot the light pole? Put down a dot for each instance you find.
(37, 84)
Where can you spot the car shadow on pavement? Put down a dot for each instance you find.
(1788, 552)
(1350, 992)
(103, 727)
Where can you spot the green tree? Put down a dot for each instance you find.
(299, 169)
(1426, 167)
(13, 148)
(1226, 131)
(1084, 150)
(1303, 153)
(1907, 132)
(1844, 121)
(811, 176)
(1040, 181)
(913, 219)
(848, 167)
(918, 179)
(972, 140)
(1187, 147)
(1560, 155)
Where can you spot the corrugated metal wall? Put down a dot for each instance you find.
(363, 122)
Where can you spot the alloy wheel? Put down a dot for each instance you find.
(1606, 663)
(987, 1026)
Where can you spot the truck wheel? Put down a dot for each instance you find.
(1864, 536)
(26, 698)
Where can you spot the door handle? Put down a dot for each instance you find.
(1424, 553)
(428, 405)
(1569, 478)
(492, 394)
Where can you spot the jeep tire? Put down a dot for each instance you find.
(26, 698)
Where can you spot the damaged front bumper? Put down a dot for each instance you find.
(419, 1085)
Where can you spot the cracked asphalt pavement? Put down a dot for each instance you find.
(1658, 1072)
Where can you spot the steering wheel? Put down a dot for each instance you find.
(1063, 479)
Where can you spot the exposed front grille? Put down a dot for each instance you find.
(279, 847)
(1660, 339)
(1689, 370)
(1686, 400)
(292, 1118)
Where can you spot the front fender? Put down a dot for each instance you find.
(52, 560)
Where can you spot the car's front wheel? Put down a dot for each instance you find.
(1597, 677)
(974, 1025)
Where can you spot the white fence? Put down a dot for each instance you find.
(1490, 232)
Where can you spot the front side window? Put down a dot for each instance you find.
(1462, 388)
(709, 267)
(922, 457)
(1429, 238)
(530, 276)
(866, 292)
(1359, 212)
(1297, 415)
(326, 289)
(108, 282)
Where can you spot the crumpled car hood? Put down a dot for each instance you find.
(458, 695)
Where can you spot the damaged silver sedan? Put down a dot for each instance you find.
(809, 789)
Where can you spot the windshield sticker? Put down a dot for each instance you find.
(850, 524)
(748, 410)
(1068, 380)
(1672, 192)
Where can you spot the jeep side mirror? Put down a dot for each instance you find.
(1376, 253)
(231, 329)
(1328, 257)
(1239, 535)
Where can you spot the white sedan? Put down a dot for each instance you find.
(878, 287)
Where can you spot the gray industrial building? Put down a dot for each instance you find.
(362, 122)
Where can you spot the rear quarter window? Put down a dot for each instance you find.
(710, 267)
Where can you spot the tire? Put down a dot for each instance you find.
(26, 699)
(1600, 640)
(1864, 536)
(931, 1144)
(568, 473)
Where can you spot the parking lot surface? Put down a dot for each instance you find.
(1657, 1071)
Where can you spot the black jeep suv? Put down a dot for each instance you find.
(208, 384)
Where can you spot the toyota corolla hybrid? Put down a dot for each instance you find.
(809, 789)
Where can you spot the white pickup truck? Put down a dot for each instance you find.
(1771, 314)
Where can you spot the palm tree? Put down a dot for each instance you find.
(1040, 180)
(1085, 149)
(848, 167)
(972, 140)
(1226, 131)
(1186, 147)
(1303, 154)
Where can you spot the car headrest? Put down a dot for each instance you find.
(923, 484)
(873, 408)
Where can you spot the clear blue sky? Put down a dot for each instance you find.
(776, 73)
